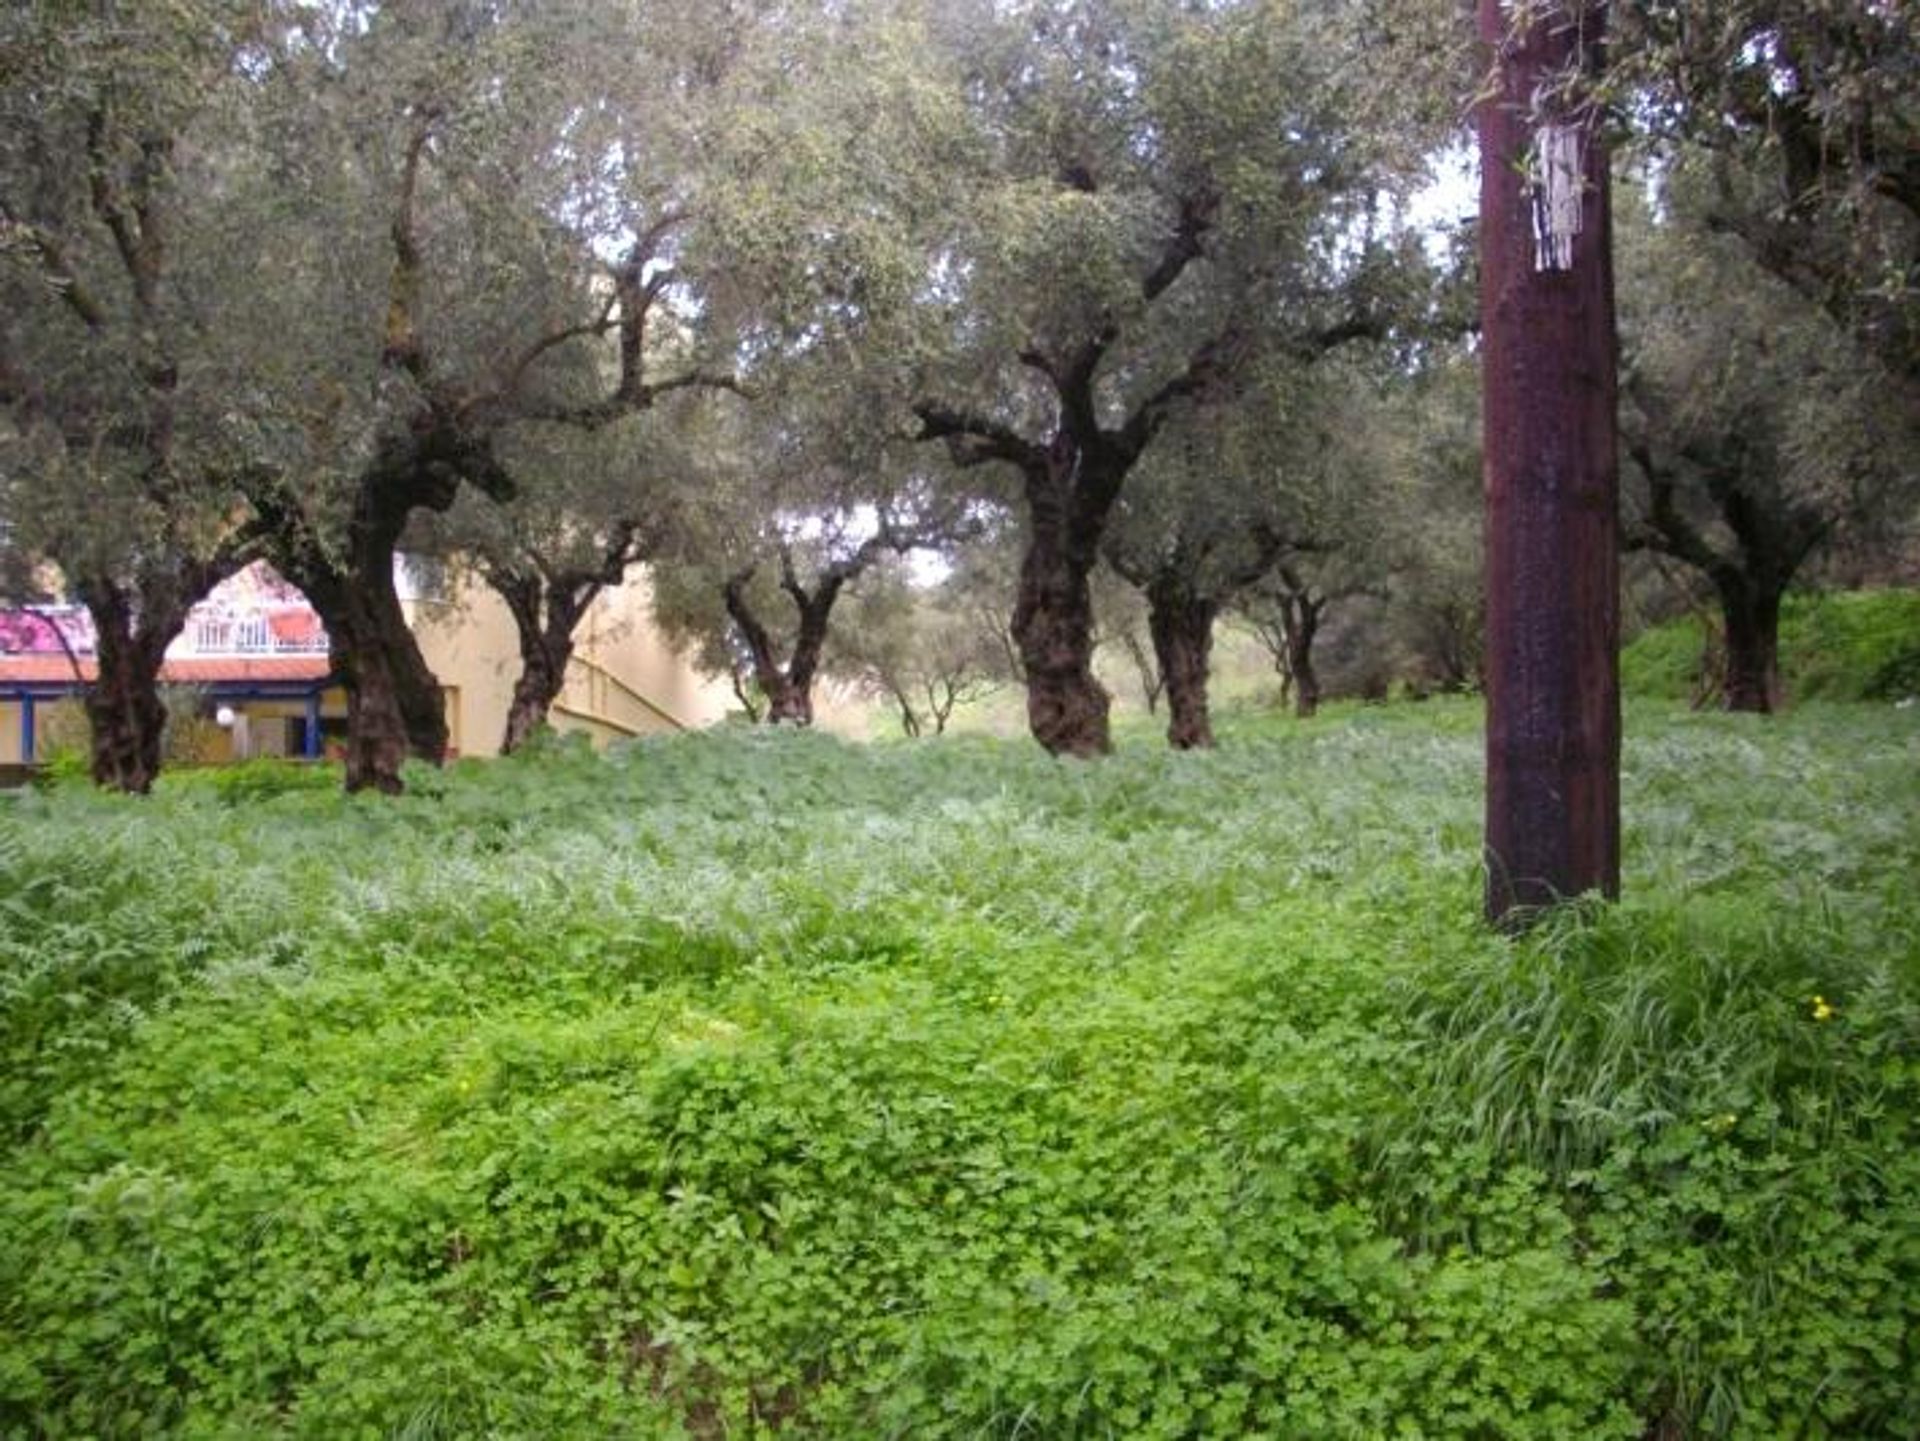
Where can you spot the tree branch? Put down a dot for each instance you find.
(973, 440)
(790, 579)
(1213, 359)
(60, 635)
(404, 347)
(752, 631)
(600, 413)
(60, 274)
(528, 358)
(1198, 212)
(105, 198)
(1318, 344)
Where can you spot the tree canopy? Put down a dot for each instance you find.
(764, 293)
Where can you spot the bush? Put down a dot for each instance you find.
(251, 781)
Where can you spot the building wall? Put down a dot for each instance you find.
(617, 635)
(267, 730)
(54, 723)
(272, 727)
(624, 679)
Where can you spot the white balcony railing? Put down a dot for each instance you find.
(250, 635)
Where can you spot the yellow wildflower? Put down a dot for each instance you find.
(1821, 1010)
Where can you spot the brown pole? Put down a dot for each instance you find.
(1552, 566)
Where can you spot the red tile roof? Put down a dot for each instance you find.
(53, 669)
(278, 667)
(295, 626)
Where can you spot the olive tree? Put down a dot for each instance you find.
(1057, 225)
(132, 416)
(1757, 432)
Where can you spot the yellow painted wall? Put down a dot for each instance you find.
(54, 722)
(617, 634)
(624, 679)
(469, 644)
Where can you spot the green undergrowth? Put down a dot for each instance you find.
(1844, 646)
(747, 1083)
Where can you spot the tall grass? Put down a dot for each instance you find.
(752, 1082)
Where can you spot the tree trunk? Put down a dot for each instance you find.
(376, 725)
(910, 725)
(545, 614)
(534, 693)
(1053, 621)
(394, 704)
(1053, 626)
(1751, 611)
(1551, 458)
(790, 698)
(124, 712)
(1152, 677)
(133, 627)
(1182, 627)
(788, 702)
(1302, 625)
(789, 687)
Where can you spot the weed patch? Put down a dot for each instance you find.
(752, 1082)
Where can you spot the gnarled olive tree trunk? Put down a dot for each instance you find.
(394, 703)
(1072, 481)
(125, 716)
(1772, 539)
(545, 632)
(1300, 620)
(1067, 707)
(534, 692)
(1750, 610)
(1181, 620)
(547, 599)
(788, 687)
(133, 625)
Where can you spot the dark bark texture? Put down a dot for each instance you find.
(394, 704)
(1067, 707)
(1752, 616)
(547, 603)
(534, 692)
(1181, 621)
(1187, 585)
(788, 685)
(139, 599)
(1772, 536)
(1071, 482)
(125, 716)
(1300, 622)
(1553, 708)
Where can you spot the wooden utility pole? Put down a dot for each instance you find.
(1551, 468)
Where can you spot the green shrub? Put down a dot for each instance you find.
(261, 778)
(1863, 646)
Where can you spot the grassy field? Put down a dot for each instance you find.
(750, 1082)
